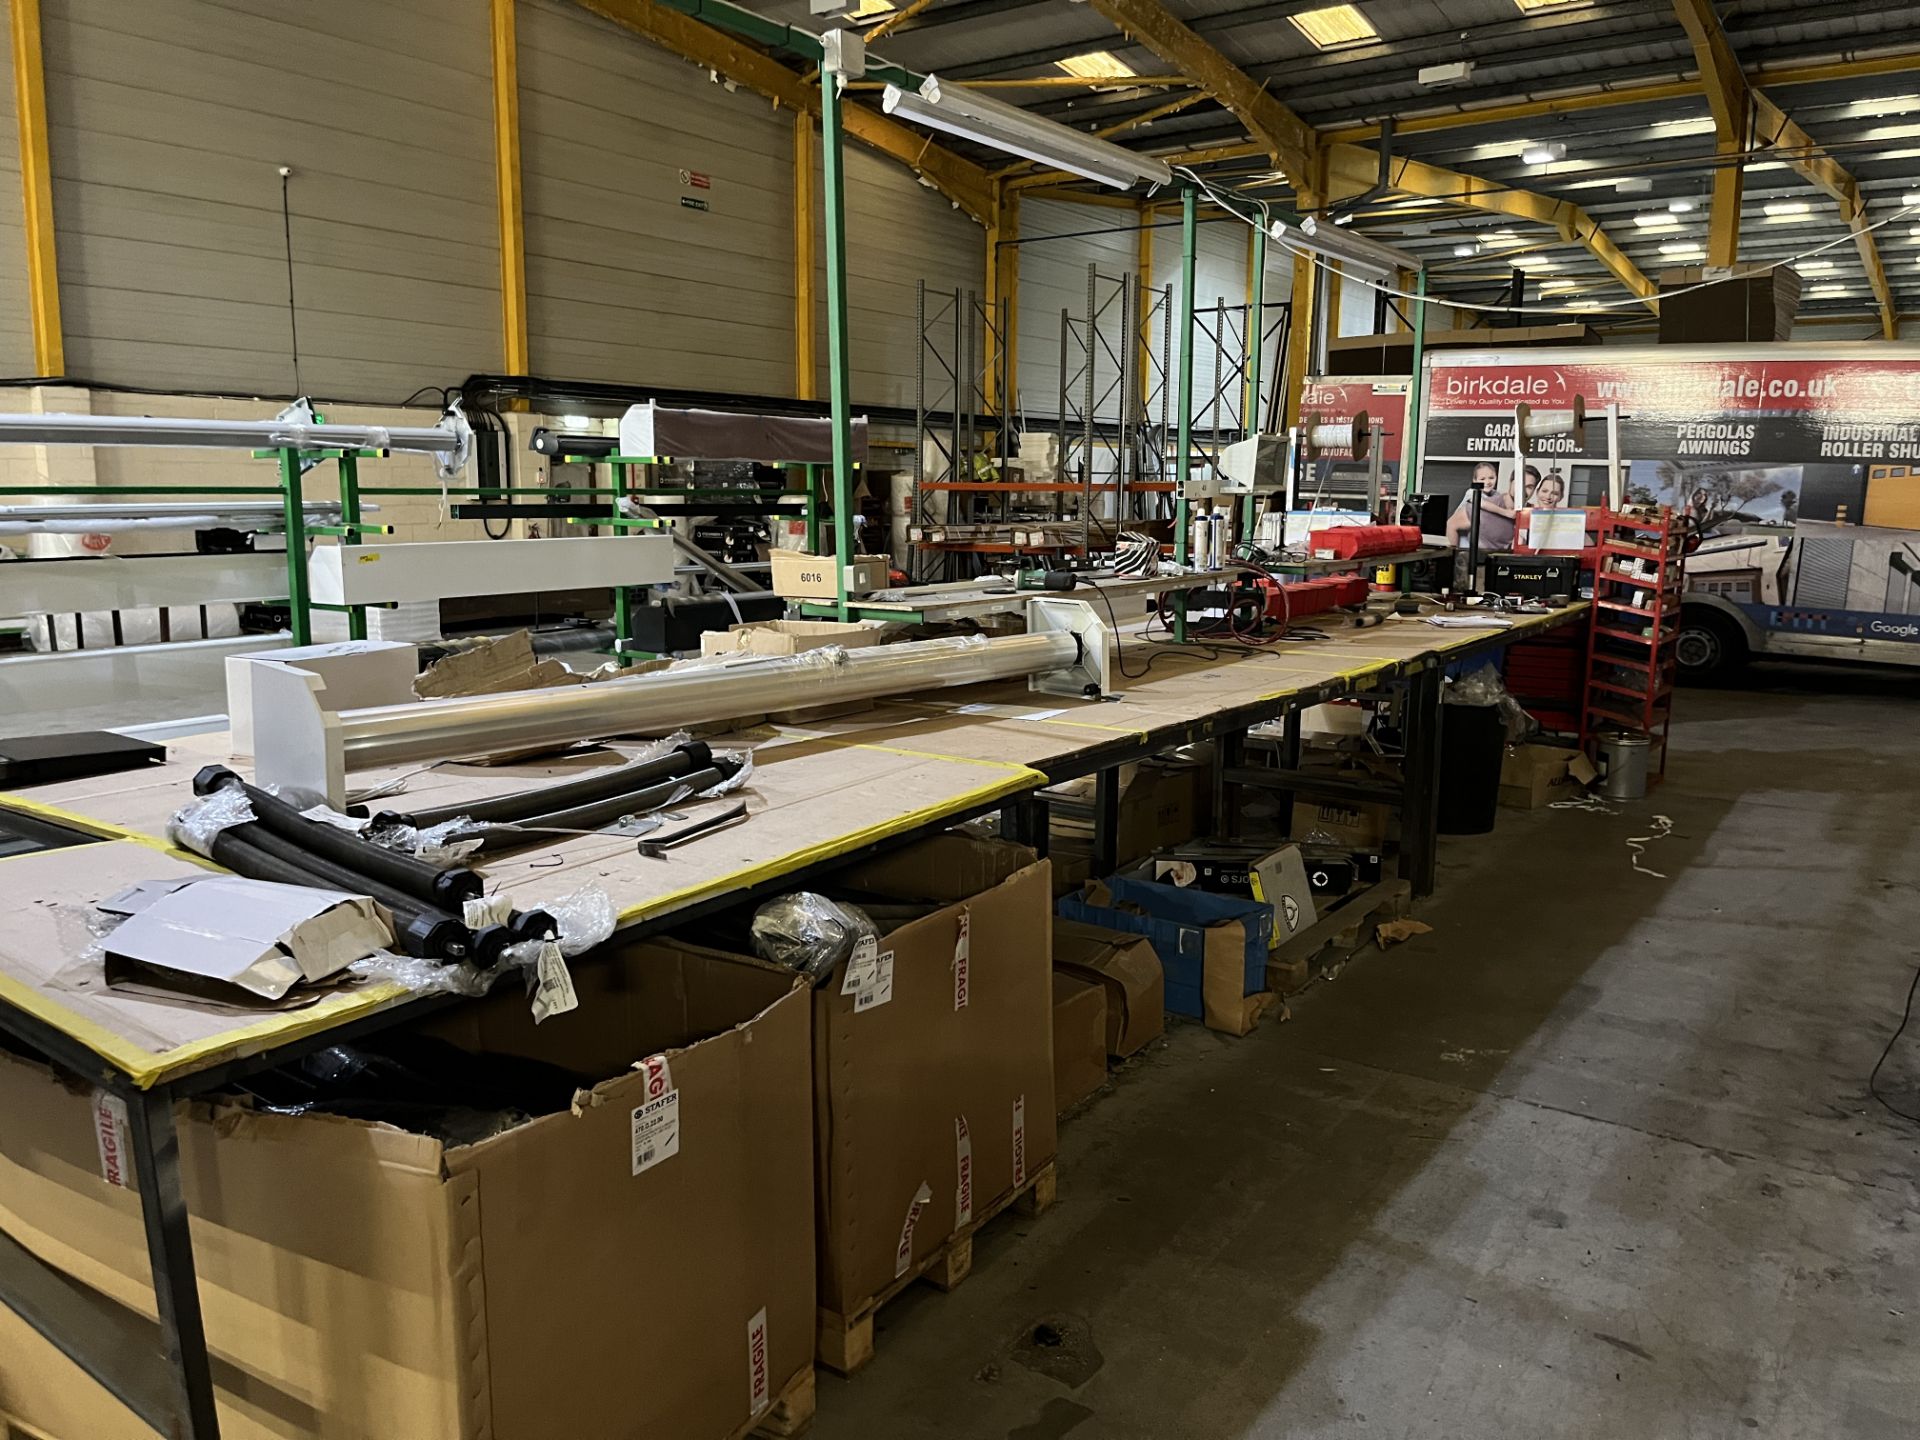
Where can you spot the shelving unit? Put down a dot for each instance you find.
(1639, 574)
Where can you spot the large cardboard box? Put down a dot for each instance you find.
(1535, 775)
(1079, 1040)
(1126, 968)
(1213, 948)
(789, 637)
(639, 1265)
(933, 1072)
(1355, 825)
(800, 576)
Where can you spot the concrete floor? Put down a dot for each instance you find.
(1595, 1158)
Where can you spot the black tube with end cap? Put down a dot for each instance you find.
(564, 794)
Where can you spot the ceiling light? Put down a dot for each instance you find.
(1682, 206)
(1814, 267)
(1683, 247)
(1098, 65)
(1656, 220)
(1674, 129)
(1543, 154)
(1533, 7)
(1912, 197)
(978, 117)
(1335, 26)
(1823, 291)
(1892, 132)
(1633, 185)
(1355, 252)
(1778, 208)
(1469, 248)
(1533, 262)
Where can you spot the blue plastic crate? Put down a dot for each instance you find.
(1175, 921)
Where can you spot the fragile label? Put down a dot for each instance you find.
(553, 992)
(963, 960)
(1020, 1142)
(659, 1077)
(759, 1378)
(656, 1131)
(903, 1257)
(111, 1130)
(869, 975)
(963, 1166)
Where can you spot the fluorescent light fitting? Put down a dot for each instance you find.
(1533, 262)
(980, 118)
(1681, 206)
(1098, 65)
(1633, 185)
(1683, 247)
(1821, 292)
(1345, 245)
(1778, 208)
(1912, 197)
(1814, 267)
(1334, 27)
(1534, 7)
(1543, 154)
(1656, 220)
(1463, 251)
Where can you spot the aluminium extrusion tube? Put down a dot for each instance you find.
(221, 434)
(666, 700)
(619, 780)
(177, 511)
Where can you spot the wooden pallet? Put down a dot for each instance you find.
(846, 1341)
(790, 1415)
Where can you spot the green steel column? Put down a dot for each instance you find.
(294, 519)
(1189, 226)
(1410, 451)
(813, 509)
(833, 197)
(1256, 339)
(350, 519)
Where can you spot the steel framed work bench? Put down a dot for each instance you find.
(895, 772)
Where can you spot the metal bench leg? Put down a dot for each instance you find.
(1420, 811)
(163, 1207)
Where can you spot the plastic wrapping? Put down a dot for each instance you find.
(809, 933)
(1485, 687)
(434, 845)
(739, 778)
(197, 825)
(431, 977)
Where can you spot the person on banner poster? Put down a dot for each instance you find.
(1546, 492)
(1496, 511)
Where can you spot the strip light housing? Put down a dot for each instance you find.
(1369, 258)
(995, 123)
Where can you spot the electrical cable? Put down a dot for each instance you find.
(1595, 306)
(1873, 1087)
(293, 312)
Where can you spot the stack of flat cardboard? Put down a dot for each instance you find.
(1728, 306)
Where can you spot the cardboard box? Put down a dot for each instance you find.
(1355, 825)
(937, 1075)
(1079, 1040)
(1213, 948)
(1126, 968)
(1277, 878)
(357, 673)
(788, 637)
(800, 576)
(1535, 775)
(362, 1281)
(1728, 307)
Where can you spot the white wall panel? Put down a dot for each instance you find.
(169, 120)
(1053, 277)
(624, 282)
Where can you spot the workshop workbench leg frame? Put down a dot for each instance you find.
(176, 1288)
(1420, 806)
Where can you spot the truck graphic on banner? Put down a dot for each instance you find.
(1801, 468)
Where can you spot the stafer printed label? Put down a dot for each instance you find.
(656, 1122)
(963, 1167)
(759, 1381)
(1019, 1142)
(903, 1257)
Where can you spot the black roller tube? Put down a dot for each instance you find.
(445, 888)
(620, 780)
(420, 930)
(543, 829)
(572, 443)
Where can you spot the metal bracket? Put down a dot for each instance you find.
(1088, 675)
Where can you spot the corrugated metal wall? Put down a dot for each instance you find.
(624, 281)
(1053, 277)
(899, 232)
(16, 331)
(168, 120)
(1220, 274)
